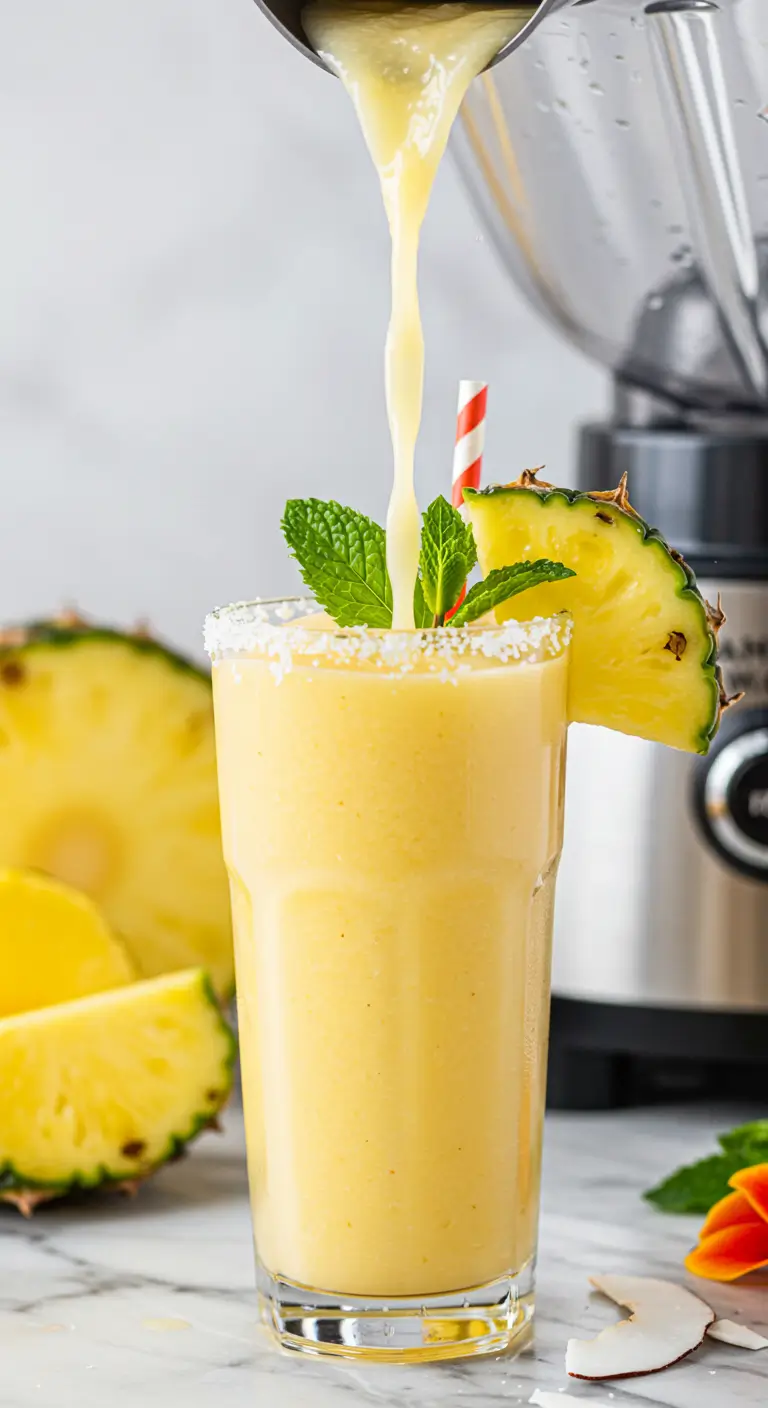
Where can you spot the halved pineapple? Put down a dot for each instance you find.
(645, 642)
(54, 945)
(108, 781)
(108, 1088)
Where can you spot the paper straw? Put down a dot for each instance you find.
(470, 439)
(468, 453)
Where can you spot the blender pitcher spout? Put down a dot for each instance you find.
(286, 16)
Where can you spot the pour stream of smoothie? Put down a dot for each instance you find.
(407, 68)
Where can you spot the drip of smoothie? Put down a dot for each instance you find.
(407, 68)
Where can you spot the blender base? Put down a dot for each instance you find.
(605, 1056)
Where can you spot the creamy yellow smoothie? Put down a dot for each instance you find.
(392, 812)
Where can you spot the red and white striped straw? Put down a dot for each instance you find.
(470, 439)
(468, 454)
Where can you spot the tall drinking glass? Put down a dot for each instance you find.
(392, 808)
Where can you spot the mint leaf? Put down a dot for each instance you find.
(448, 554)
(749, 1142)
(506, 582)
(422, 616)
(697, 1187)
(342, 559)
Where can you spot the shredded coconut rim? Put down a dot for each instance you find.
(275, 629)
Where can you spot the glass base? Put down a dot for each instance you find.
(490, 1319)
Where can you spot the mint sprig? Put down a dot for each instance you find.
(448, 554)
(696, 1187)
(342, 558)
(506, 582)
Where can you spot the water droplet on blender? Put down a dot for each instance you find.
(635, 76)
(674, 229)
(619, 58)
(584, 63)
(739, 102)
(561, 104)
(596, 88)
(539, 64)
(542, 106)
(682, 255)
(622, 123)
(656, 204)
(465, 1303)
(655, 302)
(763, 114)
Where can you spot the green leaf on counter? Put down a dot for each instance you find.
(697, 1187)
(749, 1141)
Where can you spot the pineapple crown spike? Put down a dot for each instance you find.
(619, 496)
(716, 617)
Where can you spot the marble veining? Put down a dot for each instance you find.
(131, 1304)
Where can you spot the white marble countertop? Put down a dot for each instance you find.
(116, 1304)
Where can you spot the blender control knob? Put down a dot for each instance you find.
(732, 793)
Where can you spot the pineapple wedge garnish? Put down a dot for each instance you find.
(645, 640)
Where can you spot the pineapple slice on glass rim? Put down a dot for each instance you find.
(644, 653)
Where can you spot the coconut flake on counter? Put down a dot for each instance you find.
(667, 1323)
(739, 1335)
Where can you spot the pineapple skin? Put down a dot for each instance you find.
(26, 1193)
(70, 628)
(617, 506)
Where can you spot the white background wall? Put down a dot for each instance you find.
(193, 298)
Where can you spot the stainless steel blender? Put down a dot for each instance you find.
(620, 162)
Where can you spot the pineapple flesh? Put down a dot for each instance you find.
(105, 1089)
(108, 779)
(644, 656)
(54, 945)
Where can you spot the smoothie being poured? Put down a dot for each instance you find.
(407, 68)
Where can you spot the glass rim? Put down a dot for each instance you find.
(272, 626)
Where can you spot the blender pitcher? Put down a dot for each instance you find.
(619, 160)
(285, 15)
(648, 125)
